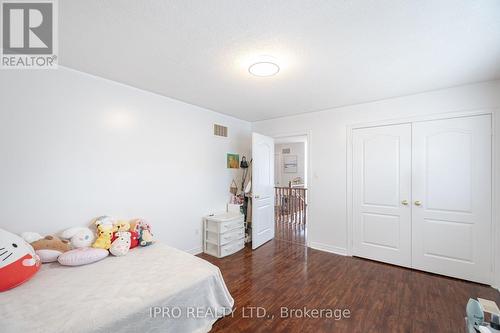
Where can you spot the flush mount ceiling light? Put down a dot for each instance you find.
(264, 68)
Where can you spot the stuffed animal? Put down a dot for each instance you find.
(31, 237)
(143, 229)
(105, 221)
(134, 238)
(79, 237)
(104, 234)
(122, 226)
(121, 245)
(135, 225)
(18, 261)
(146, 237)
(48, 248)
(125, 226)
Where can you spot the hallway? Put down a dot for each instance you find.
(291, 232)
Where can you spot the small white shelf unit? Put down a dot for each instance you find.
(223, 234)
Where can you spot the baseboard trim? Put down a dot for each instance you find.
(195, 251)
(328, 248)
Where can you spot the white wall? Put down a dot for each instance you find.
(74, 146)
(496, 186)
(328, 148)
(297, 149)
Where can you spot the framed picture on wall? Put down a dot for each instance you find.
(290, 163)
(233, 161)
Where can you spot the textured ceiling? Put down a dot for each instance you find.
(331, 52)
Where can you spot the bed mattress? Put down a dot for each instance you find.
(151, 289)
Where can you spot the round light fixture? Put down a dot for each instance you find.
(264, 68)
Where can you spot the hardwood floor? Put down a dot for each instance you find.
(295, 233)
(380, 297)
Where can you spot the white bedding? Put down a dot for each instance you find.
(117, 293)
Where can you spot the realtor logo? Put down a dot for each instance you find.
(29, 34)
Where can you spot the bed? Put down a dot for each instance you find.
(151, 289)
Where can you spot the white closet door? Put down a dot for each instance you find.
(452, 197)
(381, 193)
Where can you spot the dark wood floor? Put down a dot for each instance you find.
(380, 297)
(290, 232)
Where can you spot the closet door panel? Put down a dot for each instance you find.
(381, 186)
(451, 213)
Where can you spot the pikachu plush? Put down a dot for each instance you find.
(121, 226)
(104, 234)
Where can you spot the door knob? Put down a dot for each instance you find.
(405, 202)
(418, 203)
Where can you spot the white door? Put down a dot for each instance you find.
(381, 193)
(452, 197)
(262, 189)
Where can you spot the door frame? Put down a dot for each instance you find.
(495, 234)
(308, 135)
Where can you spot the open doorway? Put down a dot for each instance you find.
(290, 176)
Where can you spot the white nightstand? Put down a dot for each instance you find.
(223, 234)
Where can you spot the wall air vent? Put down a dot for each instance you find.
(285, 151)
(220, 130)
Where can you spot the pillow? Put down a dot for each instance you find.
(18, 261)
(82, 256)
(47, 255)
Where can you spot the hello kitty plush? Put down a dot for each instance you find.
(18, 261)
(121, 245)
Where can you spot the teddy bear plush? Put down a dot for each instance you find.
(104, 234)
(121, 244)
(48, 248)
